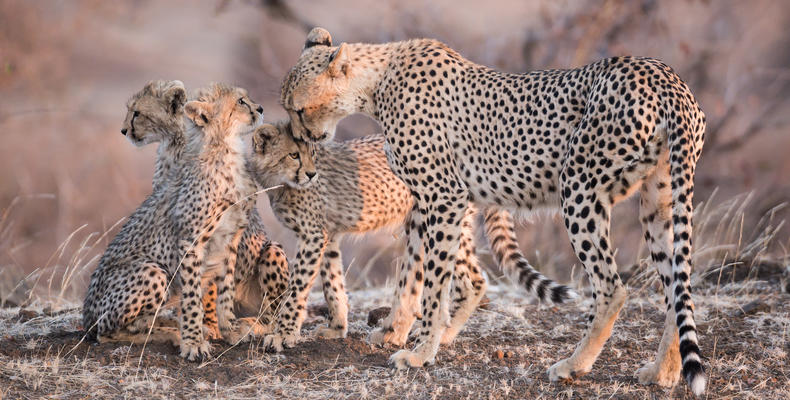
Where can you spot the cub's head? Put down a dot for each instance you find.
(277, 157)
(318, 91)
(155, 113)
(224, 111)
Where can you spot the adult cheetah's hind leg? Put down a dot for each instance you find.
(469, 285)
(334, 286)
(655, 213)
(586, 211)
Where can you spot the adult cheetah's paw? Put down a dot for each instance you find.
(564, 371)
(383, 335)
(331, 333)
(652, 374)
(193, 351)
(278, 341)
(404, 359)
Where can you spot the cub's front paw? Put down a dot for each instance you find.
(195, 351)
(277, 341)
(383, 335)
(331, 333)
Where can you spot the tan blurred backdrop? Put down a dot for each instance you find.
(68, 68)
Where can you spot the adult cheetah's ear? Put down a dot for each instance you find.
(339, 62)
(175, 97)
(317, 37)
(198, 112)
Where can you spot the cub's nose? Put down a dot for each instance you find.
(310, 174)
(260, 109)
(123, 131)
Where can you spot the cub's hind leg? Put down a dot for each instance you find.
(469, 285)
(408, 291)
(334, 285)
(131, 301)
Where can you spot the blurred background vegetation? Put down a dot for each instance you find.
(67, 68)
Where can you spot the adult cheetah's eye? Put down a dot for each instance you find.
(241, 100)
(136, 113)
(295, 156)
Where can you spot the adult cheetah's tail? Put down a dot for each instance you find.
(683, 152)
(500, 231)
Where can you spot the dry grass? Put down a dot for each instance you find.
(742, 310)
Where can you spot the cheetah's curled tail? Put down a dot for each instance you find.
(500, 231)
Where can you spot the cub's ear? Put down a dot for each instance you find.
(317, 37)
(199, 112)
(339, 62)
(175, 97)
(262, 137)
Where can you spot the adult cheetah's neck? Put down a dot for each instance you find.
(369, 65)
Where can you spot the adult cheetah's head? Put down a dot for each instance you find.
(277, 158)
(317, 92)
(155, 113)
(224, 110)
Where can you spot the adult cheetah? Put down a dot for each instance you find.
(579, 139)
(356, 192)
(261, 272)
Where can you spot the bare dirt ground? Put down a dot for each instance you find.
(503, 353)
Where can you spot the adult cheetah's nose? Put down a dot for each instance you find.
(123, 131)
(260, 109)
(310, 175)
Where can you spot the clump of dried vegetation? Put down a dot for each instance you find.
(740, 291)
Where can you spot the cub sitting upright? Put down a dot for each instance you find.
(261, 272)
(210, 208)
(132, 277)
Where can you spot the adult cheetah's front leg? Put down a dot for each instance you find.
(442, 221)
(310, 251)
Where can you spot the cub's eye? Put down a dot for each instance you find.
(241, 100)
(300, 112)
(136, 113)
(295, 156)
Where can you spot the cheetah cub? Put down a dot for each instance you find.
(355, 191)
(130, 283)
(261, 271)
(210, 208)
